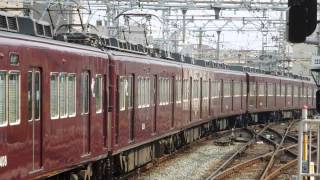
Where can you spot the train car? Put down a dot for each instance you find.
(232, 86)
(45, 126)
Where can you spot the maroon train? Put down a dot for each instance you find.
(69, 110)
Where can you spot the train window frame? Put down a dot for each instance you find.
(236, 89)
(84, 110)
(178, 90)
(75, 93)
(28, 100)
(205, 89)
(252, 89)
(185, 90)
(5, 100)
(147, 89)
(11, 56)
(261, 91)
(227, 88)
(164, 91)
(244, 88)
(65, 115)
(196, 89)
(186, 94)
(130, 80)
(283, 90)
(140, 92)
(295, 91)
(289, 93)
(99, 80)
(122, 92)
(18, 120)
(278, 89)
(58, 107)
(40, 95)
(310, 92)
(270, 89)
(196, 83)
(305, 91)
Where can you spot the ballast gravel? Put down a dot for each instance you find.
(197, 162)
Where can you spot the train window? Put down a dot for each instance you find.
(178, 90)
(253, 89)
(196, 94)
(146, 102)
(160, 87)
(215, 89)
(195, 89)
(37, 86)
(305, 92)
(244, 88)
(85, 81)
(270, 89)
(130, 91)
(144, 89)
(296, 91)
(71, 95)
(98, 92)
(278, 89)
(30, 95)
(261, 89)
(63, 95)
(283, 89)
(54, 95)
(205, 90)
(309, 92)
(226, 88)
(122, 93)
(140, 93)
(236, 88)
(289, 90)
(14, 97)
(167, 91)
(164, 91)
(185, 90)
(3, 120)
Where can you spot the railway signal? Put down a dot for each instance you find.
(301, 19)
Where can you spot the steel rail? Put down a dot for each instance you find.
(219, 174)
(284, 167)
(247, 163)
(229, 160)
(271, 161)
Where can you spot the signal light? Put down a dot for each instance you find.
(301, 19)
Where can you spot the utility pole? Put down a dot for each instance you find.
(184, 11)
(200, 43)
(218, 46)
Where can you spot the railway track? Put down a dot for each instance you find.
(196, 160)
(270, 151)
(282, 155)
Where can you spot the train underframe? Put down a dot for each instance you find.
(133, 160)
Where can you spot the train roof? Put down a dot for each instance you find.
(46, 41)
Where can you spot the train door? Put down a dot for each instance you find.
(85, 111)
(34, 115)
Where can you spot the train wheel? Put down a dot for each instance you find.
(86, 174)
